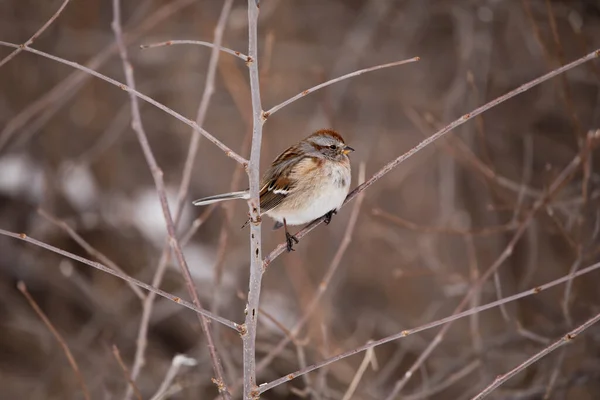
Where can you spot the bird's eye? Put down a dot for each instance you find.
(333, 147)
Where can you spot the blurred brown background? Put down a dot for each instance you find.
(71, 152)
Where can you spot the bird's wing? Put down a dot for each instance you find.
(277, 182)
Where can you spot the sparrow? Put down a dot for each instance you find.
(309, 180)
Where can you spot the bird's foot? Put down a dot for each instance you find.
(329, 215)
(290, 240)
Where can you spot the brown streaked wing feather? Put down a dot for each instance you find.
(273, 193)
(275, 182)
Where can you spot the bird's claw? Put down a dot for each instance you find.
(328, 216)
(290, 240)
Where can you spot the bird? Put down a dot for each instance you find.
(308, 180)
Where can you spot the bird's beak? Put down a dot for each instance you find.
(347, 150)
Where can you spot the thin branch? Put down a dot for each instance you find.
(492, 270)
(359, 373)
(313, 89)
(125, 277)
(36, 34)
(54, 99)
(130, 381)
(484, 231)
(256, 265)
(209, 89)
(394, 163)
(132, 92)
(197, 223)
(157, 175)
(266, 386)
(21, 286)
(452, 379)
(538, 356)
(178, 361)
(555, 373)
(89, 248)
(148, 306)
(199, 43)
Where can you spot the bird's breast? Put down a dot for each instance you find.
(324, 190)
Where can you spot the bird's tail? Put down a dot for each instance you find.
(222, 197)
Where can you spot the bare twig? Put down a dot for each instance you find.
(453, 378)
(157, 175)
(196, 224)
(566, 88)
(491, 271)
(125, 277)
(183, 190)
(182, 193)
(90, 249)
(199, 43)
(256, 265)
(562, 341)
(313, 89)
(148, 305)
(485, 231)
(36, 34)
(135, 93)
(58, 338)
(178, 361)
(130, 381)
(394, 163)
(359, 373)
(555, 373)
(52, 101)
(209, 89)
(266, 386)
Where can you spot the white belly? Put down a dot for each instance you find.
(319, 203)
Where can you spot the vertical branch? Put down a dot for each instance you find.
(256, 268)
(209, 85)
(209, 89)
(157, 175)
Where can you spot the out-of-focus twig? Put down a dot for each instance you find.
(21, 286)
(183, 189)
(209, 89)
(104, 268)
(178, 361)
(89, 248)
(199, 43)
(266, 386)
(359, 373)
(453, 378)
(130, 382)
(36, 34)
(567, 338)
(132, 92)
(157, 175)
(485, 231)
(52, 101)
(448, 128)
(491, 271)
